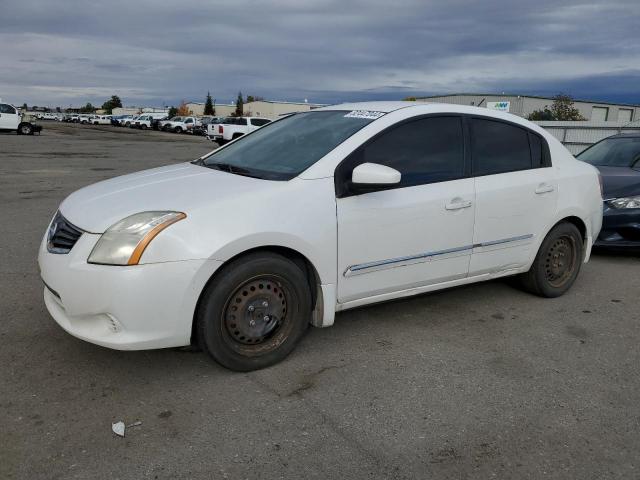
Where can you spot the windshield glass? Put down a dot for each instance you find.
(282, 150)
(613, 152)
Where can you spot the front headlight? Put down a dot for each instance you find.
(625, 202)
(124, 242)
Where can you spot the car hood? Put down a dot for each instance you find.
(620, 181)
(184, 188)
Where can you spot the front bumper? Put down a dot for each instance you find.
(620, 228)
(122, 307)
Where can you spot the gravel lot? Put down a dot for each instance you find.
(482, 381)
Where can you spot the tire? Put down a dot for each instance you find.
(177, 130)
(254, 312)
(143, 126)
(25, 129)
(557, 263)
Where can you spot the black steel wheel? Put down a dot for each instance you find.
(557, 263)
(254, 311)
(25, 129)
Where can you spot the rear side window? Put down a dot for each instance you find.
(424, 151)
(258, 122)
(499, 147)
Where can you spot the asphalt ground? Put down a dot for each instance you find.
(482, 381)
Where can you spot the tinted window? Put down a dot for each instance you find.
(613, 152)
(535, 143)
(241, 121)
(424, 151)
(258, 122)
(4, 108)
(499, 147)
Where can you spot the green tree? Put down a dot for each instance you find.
(563, 109)
(208, 106)
(409, 99)
(239, 105)
(113, 102)
(173, 112)
(88, 108)
(541, 115)
(24, 107)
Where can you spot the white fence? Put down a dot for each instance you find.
(577, 136)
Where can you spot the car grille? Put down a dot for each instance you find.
(62, 235)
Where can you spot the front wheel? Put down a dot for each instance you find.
(557, 263)
(254, 312)
(177, 130)
(25, 129)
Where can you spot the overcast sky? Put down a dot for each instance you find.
(63, 52)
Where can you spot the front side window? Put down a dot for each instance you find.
(426, 150)
(282, 150)
(499, 147)
(613, 152)
(258, 122)
(4, 108)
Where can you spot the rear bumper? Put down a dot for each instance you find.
(620, 229)
(125, 308)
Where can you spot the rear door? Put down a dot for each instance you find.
(516, 194)
(417, 233)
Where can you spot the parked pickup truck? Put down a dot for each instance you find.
(101, 120)
(147, 120)
(233, 127)
(179, 124)
(12, 121)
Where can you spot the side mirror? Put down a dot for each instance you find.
(369, 176)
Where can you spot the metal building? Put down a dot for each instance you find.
(523, 105)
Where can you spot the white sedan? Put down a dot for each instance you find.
(322, 211)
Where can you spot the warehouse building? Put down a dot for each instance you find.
(222, 109)
(524, 105)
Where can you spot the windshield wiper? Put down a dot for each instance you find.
(227, 167)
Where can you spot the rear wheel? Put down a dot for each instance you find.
(557, 263)
(177, 130)
(254, 312)
(143, 126)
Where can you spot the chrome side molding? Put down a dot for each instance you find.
(423, 257)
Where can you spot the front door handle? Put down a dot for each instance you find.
(457, 204)
(544, 188)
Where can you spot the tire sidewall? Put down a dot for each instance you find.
(562, 229)
(214, 300)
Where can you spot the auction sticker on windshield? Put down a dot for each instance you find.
(368, 114)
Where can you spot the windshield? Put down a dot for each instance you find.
(613, 152)
(282, 150)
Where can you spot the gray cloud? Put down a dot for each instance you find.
(148, 52)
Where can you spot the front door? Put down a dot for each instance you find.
(417, 233)
(9, 118)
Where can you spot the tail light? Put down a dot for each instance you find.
(220, 129)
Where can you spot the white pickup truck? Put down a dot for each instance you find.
(233, 127)
(179, 124)
(11, 121)
(147, 120)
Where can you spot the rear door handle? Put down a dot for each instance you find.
(457, 204)
(544, 188)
